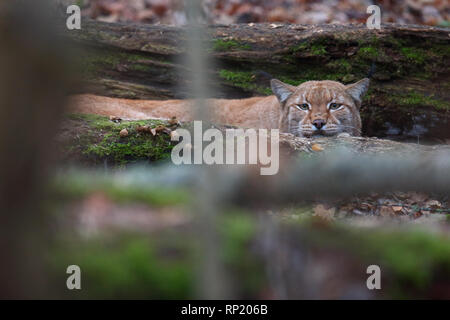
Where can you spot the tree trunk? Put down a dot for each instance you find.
(409, 94)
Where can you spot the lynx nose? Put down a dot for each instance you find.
(319, 123)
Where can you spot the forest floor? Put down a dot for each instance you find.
(129, 218)
(430, 12)
(132, 223)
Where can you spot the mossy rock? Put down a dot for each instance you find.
(94, 140)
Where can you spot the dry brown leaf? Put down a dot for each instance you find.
(123, 133)
(115, 119)
(143, 129)
(174, 135)
(433, 204)
(365, 206)
(417, 214)
(162, 128)
(174, 122)
(417, 197)
(324, 213)
(386, 211)
(401, 195)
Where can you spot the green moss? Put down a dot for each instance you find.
(129, 267)
(414, 256)
(226, 45)
(416, 59)
(415, 55)
(369, 53)
(93, 60)
(441, 50)
(337, 70)
(300, 47)
(342, 65)
(314, 48)
(238, 230)
(102, 141)
(244, 80)
(130, 149)
(292, 82)
(342, 71)
(416, 99)
(162, 265)
(241, 79)
(409, 259)
(102, 123)
(318, 49)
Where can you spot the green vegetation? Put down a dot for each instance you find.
(410, 258)
(417, 59)
(129, 266)
(159, 265)
(244, 80)
(315, 48)
(369, 53)
(318, 49)
(91, 61)
(226, 45)
(163, 264)
(415, 55)
(238, 230)
(100, 140)
(413, 256)
(416, 99)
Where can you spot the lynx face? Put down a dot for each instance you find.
(324, 108)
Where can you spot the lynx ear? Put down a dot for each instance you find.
(358, 90)
(282, 90)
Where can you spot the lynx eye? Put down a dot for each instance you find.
(304, 106)
(335, 106)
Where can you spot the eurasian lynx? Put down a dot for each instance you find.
(312, 108)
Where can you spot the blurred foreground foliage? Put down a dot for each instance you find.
(163, 263)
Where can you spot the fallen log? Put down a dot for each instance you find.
(93, 139)
(409, 94)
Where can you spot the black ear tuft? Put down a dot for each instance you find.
(282, 90)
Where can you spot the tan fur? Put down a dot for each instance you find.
(260, 112)
(319, 95)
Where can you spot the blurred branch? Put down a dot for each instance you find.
(326, 167)
(212, 282)
(355, 166)
(33, 82)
